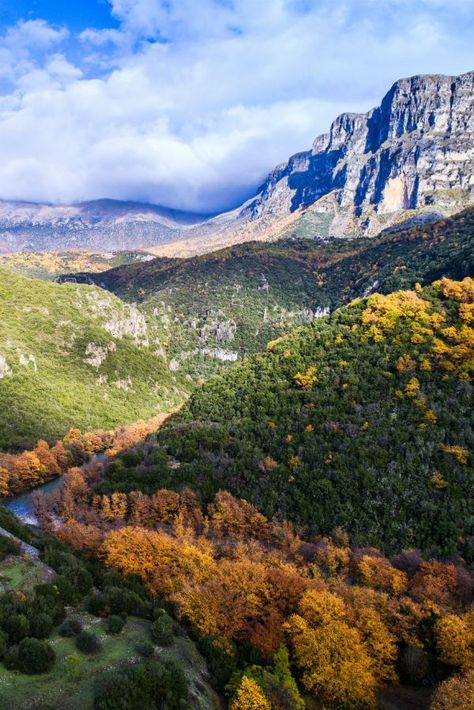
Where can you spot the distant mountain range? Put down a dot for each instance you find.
(408, 160)
(97, 225)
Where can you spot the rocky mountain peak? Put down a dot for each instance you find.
(413, 152)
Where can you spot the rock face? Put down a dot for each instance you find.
(413, 152)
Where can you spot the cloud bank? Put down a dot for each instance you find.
(190, 103)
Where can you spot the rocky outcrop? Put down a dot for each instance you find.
(413, 152)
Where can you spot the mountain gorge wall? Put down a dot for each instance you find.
(413, 152)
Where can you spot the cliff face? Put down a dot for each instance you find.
(413, 152)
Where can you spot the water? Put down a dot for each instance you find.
(22, 504)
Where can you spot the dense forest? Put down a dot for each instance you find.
(300, 533)
(362, 419)
(211, 310)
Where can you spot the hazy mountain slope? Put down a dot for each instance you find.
(49, 265)
(221, 306)
(74, 356)
(90, 226)
(363, 419)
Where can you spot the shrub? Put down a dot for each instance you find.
(3, 644)
(17, 627)
(35, 656)
(70, 628)
(72, 667)
(149, 685)
(87, 642)
(96, 604)
(10, 660)
(162, 629)
(8, 546)
(115, 624)
(41, 625)
(145, 649)
(123, 600)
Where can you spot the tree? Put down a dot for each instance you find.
(456, 693)
(249, 696)
(329, 652)
(455, 639)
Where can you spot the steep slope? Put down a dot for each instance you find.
(411, 159)
(74, 356)
(90, 226)
(363, 419)
(222, 306)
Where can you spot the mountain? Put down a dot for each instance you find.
(92, 226)
(361, 419)
(74, 356)
(409, 159)
(215, 309)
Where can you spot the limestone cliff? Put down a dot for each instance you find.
(413, 152)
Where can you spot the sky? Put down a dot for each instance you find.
(189, 103)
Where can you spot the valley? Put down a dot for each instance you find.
(236, 451)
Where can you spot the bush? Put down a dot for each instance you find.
(70, 628)
(123, 600)
(8, 546)
(3, 644)
(87, 642)
(17, 627)
(10, 660)
(149, 685)
(145, 649)
(41, 625)
(96, 604)
(35, 656)
(162, 629)
(72, 667)
(115, 624)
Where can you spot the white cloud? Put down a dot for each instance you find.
(196, 119)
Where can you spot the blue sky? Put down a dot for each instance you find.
(189, 103)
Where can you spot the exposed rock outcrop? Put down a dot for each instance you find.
(413, 152)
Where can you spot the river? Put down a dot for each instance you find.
(22, 504)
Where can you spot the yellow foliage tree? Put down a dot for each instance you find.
(307, 379)
(249, 696)
(329, 652)
(455, 639)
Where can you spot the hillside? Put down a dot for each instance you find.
(219, 307)
(49, 265)
(362, 419)
(74, 356)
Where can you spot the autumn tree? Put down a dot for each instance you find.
(329, 652)
(249, 696)
(455, 639)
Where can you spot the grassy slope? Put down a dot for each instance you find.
(258, 291)
(354, 449)
(56, 325)
(56, 690)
